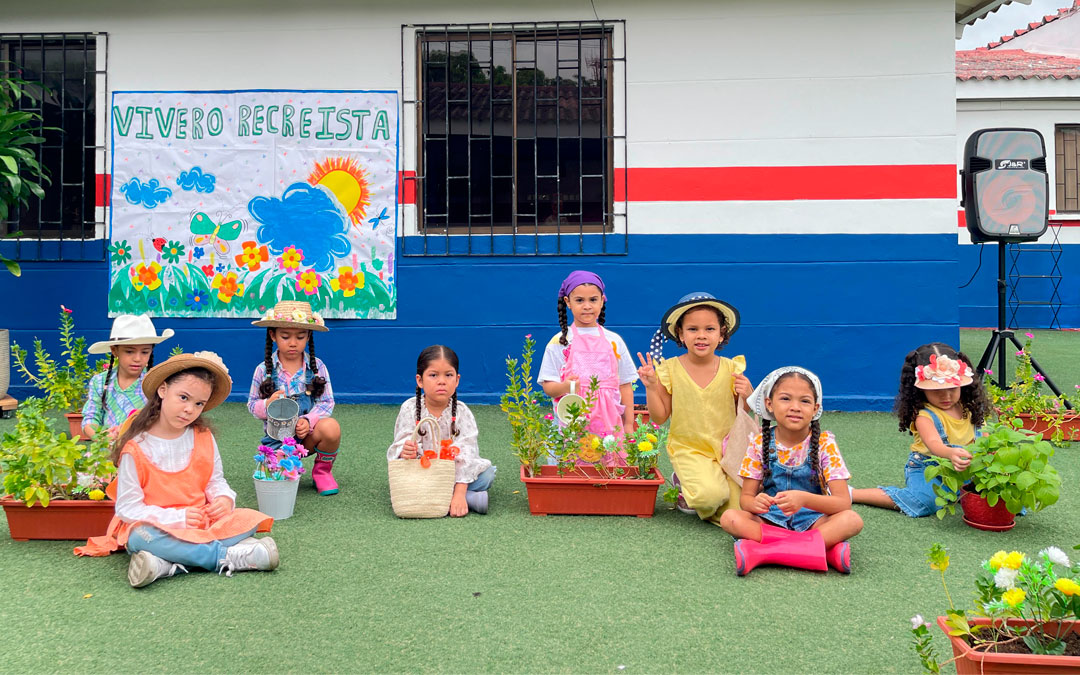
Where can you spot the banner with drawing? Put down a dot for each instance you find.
(224, 202)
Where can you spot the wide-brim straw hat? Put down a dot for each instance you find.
(292, 314)
(943, 372)
(208, 360)
(131, 329)
(698, 299)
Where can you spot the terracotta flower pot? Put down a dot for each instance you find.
(1070, 425)
(75, 426)
(585, 492)
(643, 411)
(971, 662)
(980, 515)
(61, 519)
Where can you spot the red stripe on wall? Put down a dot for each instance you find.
(406, 187)
(783, 183)
(101, 189)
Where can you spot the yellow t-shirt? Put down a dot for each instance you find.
(957, 432)
(700, 417)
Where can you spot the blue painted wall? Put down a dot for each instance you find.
(846, 306)
(978, 301)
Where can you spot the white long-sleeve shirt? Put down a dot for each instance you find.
(469, 463)
(168, 455)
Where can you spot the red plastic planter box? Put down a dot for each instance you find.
(61, 519)
(971, 662)
(585, 492)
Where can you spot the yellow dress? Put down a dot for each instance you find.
(957, 431)
(700, 419)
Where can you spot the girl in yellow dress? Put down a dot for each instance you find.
(698, 392)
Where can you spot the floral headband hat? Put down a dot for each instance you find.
(943, 372)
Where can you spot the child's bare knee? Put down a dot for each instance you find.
(328, 429)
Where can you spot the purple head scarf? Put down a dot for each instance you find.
(578, 277)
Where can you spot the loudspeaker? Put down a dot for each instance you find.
(1005, 185)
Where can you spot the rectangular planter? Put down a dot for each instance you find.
(584, 492)
(1070, 425)
(970, 662)
(61, 519)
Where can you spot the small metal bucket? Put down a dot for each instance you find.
(281, 418)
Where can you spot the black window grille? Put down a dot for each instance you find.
(67, 76)
(519, 131)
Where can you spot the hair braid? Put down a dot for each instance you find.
(766, 445)
(266, 389)
(100, 417)
(150, 361)
(318, 382)
(418, 408)
(815, 463)
(453, 414)
(562, 321)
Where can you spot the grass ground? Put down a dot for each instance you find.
(359, 590)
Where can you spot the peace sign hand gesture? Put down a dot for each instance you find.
(647, 371)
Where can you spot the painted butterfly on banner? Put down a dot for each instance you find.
(209, 233)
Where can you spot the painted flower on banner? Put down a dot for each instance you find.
(253, 256)
(197, 300)
(227, 286)
(121, 253)
(347, 282)
(291, 258)
(172, 251)
(146, 276)
(308, 283)
(197, 253)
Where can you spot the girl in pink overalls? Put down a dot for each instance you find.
(585, 349)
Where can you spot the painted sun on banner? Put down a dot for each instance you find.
(225, 202)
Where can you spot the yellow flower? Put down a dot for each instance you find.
(594, 442)
(645, 446)
(1013, 560)
(997, 560)
(1067, 586)
(651, 438)
(1013, 597)
(98, 495)
(940, 565)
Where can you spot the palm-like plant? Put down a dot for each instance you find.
(21, 175)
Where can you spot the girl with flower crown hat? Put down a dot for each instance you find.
(290, 327)
(174, 509)
(942, 404)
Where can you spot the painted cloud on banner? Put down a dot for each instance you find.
(305, 217)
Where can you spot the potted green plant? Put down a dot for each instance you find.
(1037, 408)
(54, 487)
(1025, 618)
(64, 383)
(1009, 471)
(585, 478)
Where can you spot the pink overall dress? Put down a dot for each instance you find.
(590, 355)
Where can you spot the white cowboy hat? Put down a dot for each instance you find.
(129, 329)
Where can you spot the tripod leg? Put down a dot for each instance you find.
(1038, 369)
(988, 356)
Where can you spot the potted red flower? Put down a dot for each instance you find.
(1037, 409)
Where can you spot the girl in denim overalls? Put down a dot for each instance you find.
(285, 372)
(591, 351)
(796, 507)
(943, 405)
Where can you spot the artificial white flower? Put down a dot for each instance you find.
(1005, 578)
(1056, 555)
(84, 480)
(916, 621)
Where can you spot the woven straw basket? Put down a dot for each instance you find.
(416, 492)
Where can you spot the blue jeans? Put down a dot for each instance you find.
(483, 481)
(209, 556)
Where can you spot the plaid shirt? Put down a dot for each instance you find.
(292, 385)
(119, 403)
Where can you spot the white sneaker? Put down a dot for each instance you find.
(145, 568)
(249, 555)
(478, 501)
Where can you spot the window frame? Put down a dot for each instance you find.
(1061, 182)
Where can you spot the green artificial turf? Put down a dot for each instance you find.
(359, 590)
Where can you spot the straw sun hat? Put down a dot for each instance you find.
(292, 314)
(208, 360)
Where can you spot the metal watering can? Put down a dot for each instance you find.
(281, 416)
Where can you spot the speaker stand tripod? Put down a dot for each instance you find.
(1002, 334)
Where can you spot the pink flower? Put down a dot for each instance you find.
(1038, 377)
(528, 335)
(65, 309)
(1020, 353)
(988, 371)
(1029, 335)
(289, 441)
(549, 417)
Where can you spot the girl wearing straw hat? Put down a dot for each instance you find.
(111, 400)
(174, 509)
(290, 327)
(697, 391)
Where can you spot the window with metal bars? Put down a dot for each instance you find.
(1067, 179)
(67, 76)
(518, 134)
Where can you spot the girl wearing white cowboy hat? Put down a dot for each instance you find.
(174, 508)
(698, 391)
(290, 327)
(109, 400)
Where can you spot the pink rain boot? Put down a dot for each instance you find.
(839, 557)
(805, 550)
(321, 473)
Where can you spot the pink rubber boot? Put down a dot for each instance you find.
(321, 473)
(805, 550)
(839, 557)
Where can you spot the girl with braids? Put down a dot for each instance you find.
(174, 509)
(585, 349)
(113, 395)
(437, 379)
(290, 327)
(943, 404)
(796, 506)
